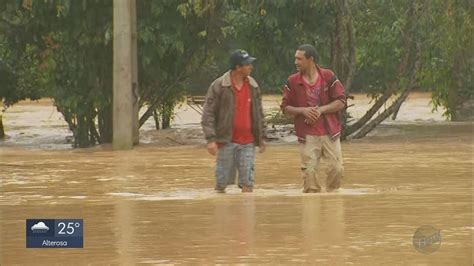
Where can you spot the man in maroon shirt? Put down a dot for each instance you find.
(314, 97)
(233, 122)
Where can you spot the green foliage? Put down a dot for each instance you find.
(382, 29)
(272, 31)
(450, 59)
(172, 43)
(63, 49)
(20, 59)
(68, 57)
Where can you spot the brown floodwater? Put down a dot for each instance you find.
(156, 204)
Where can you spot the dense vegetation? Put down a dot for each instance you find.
(63, 49)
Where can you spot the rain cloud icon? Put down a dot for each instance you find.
(40, 227)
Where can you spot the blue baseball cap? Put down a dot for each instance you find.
(239, 58)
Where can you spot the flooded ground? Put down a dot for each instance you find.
(38, 125)
(155, 204)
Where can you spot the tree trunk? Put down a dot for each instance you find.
(157, 120)
(395, 105)
(166, 121)
(159, 100)
(454, 103)
(104, 112)
(166, 112)
(342, 63)
(379, 119)
(67, 117)
(408, 44)
(368, 115)
(81, 134)
(395, 113)
(338, 64)
(347, 67)
(352, 48)
(94, 135)
(2, 131)
(155, 103)
(105, 124)
(333, 51)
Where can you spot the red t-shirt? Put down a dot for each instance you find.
(313, 99)
(242, 128)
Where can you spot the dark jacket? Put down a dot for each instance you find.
(295, 95)
(218, 114)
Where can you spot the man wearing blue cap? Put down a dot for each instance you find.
(233, 122)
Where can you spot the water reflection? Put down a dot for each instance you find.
(124, 215)
(235, 226)
(322, 224)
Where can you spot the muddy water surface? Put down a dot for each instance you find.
(156, 205)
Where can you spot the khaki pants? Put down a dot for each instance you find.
(311, 153)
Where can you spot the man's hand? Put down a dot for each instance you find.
(212, 148)
(262, 146)
(311, 114)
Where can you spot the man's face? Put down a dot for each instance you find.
(244, 70)
(301, 62)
